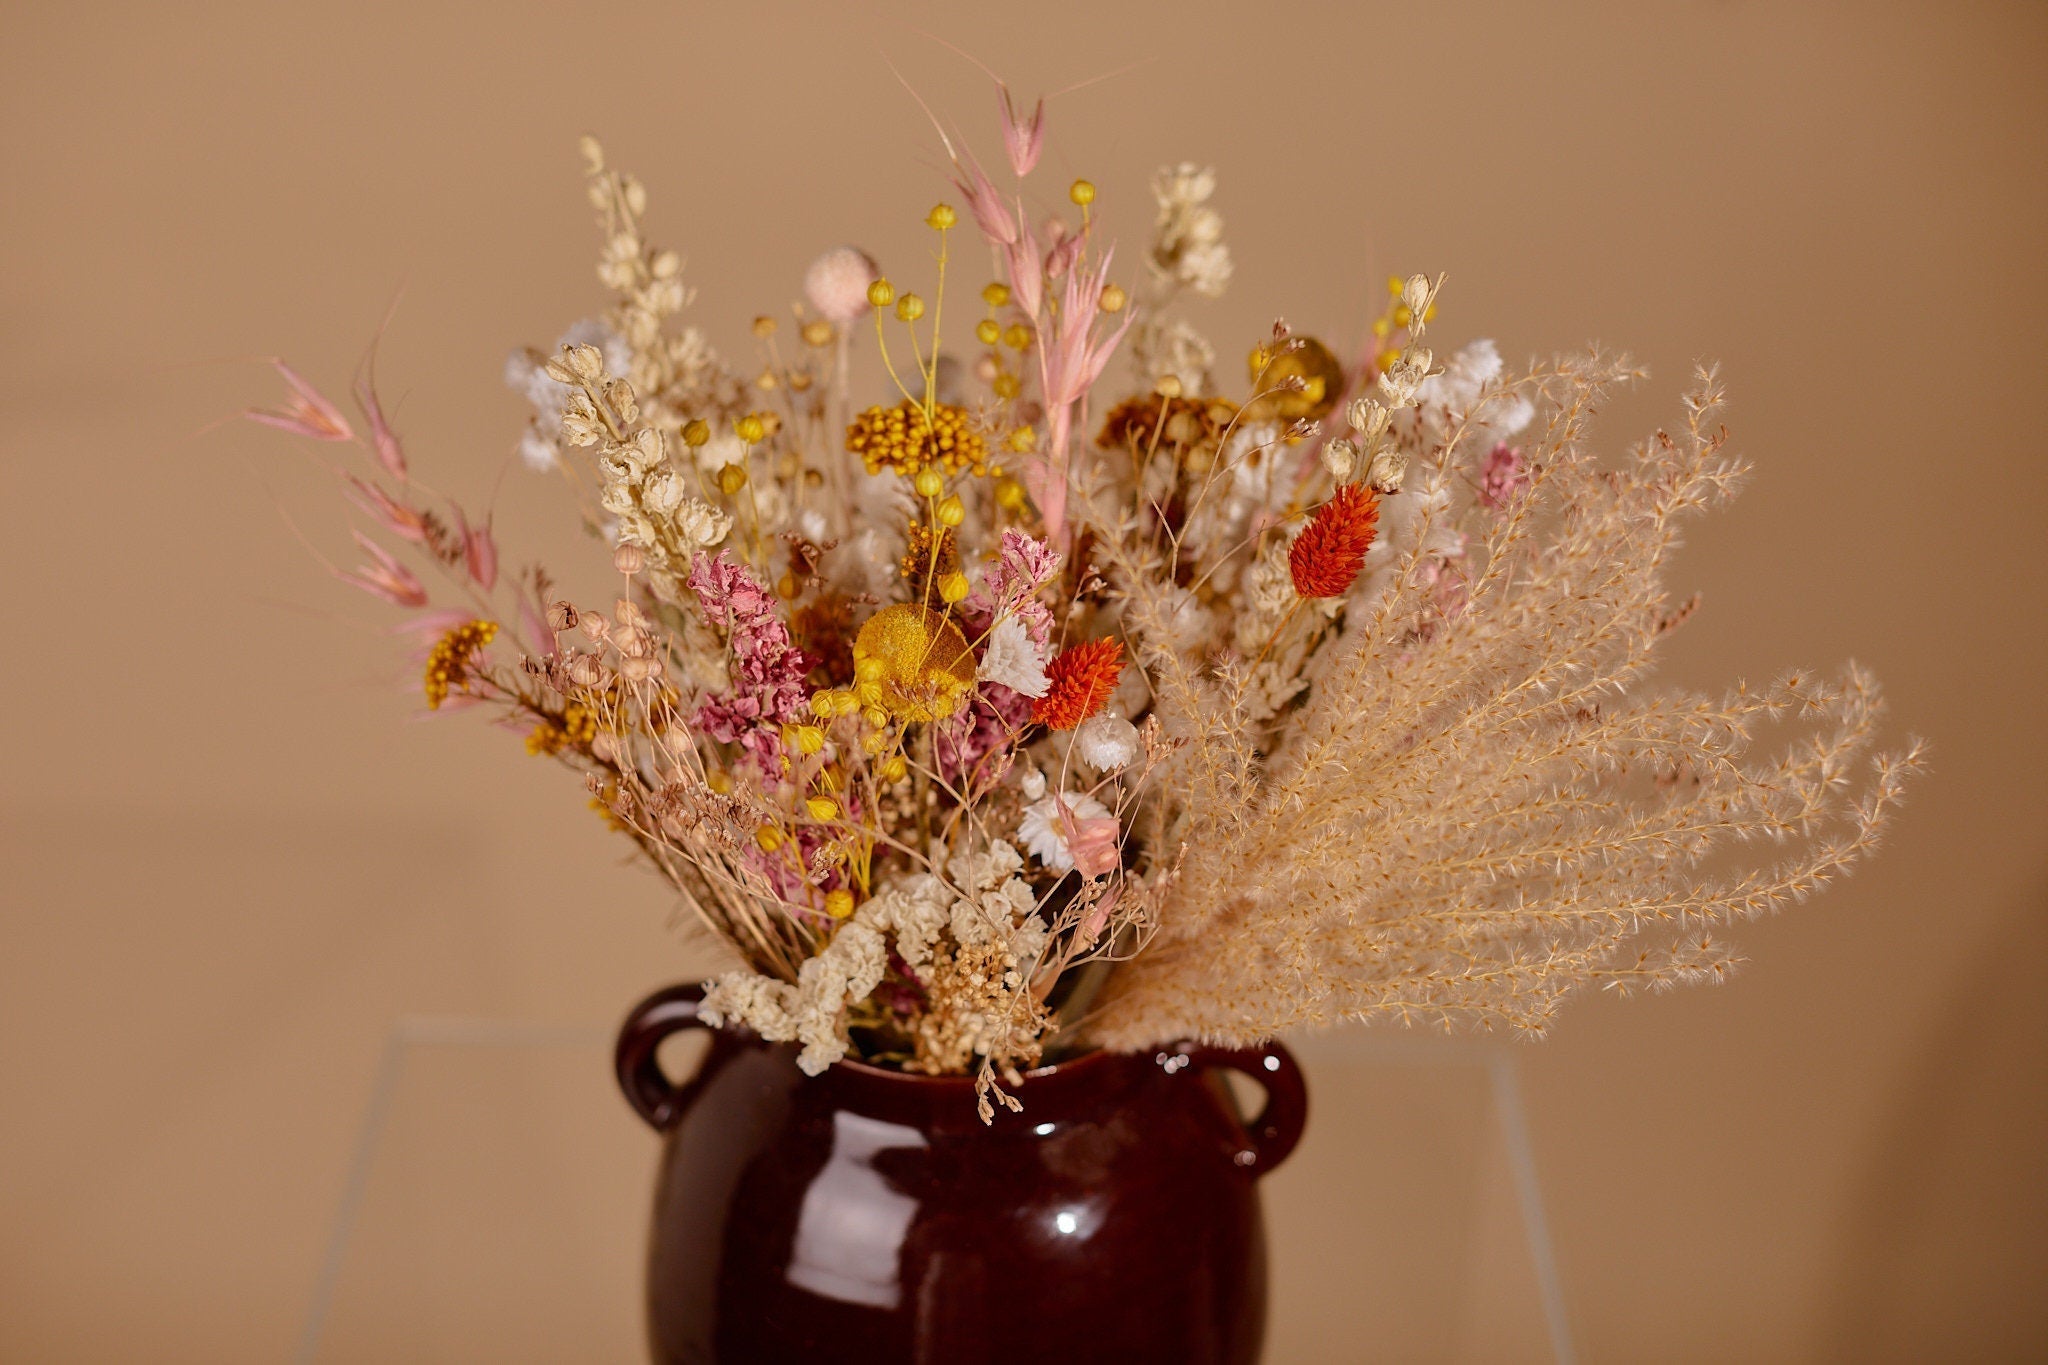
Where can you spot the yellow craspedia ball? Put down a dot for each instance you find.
(925, 664)
(1321, 376)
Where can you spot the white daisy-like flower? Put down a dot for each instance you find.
(1012, 659)
(1041, 828)
(1107, 743)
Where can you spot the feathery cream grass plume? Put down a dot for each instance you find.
(1475, 813)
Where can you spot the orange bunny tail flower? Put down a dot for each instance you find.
(1331, 549)
(1080, 681)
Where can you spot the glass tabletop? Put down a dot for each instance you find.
(496, 1206)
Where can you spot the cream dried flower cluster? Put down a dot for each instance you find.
(983, 714)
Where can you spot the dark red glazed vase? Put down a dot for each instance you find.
(867, 1216)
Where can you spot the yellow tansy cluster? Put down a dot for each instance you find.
(448, 662)
(576, 728)
(902, 440)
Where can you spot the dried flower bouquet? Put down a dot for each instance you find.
(1004, 714)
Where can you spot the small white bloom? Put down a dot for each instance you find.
(537, 450)
(1032, 781)
(1339, 455)
(1107, 743)
(701, 523)
(1041, 830)
(720, 451)
(1011, 659)
(663, 492)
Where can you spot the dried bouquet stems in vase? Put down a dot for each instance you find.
(986, 706)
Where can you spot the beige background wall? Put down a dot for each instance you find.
(230, 861)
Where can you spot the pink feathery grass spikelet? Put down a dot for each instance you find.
(395, 517)
(305, 411)
(985, 202)
(384, 576)
(1070, 360)
(479, 551)
(383, 440)
(1027, 270)
(1022, 141)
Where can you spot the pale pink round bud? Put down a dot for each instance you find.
(837, 283)
(629, 559)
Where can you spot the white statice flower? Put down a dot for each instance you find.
(986, 868)
(720, 451)
(1187, 623)
(1107, 743)
(537, 450)
(1420, 518)
(1041, 829)
(1013, 659)
(1268, 595)
(864, 563)
(1170, 348)
(1187, 239)
(1467, 391)
(998, 910)
(526, 374)
(813, 1011)
(915, 912)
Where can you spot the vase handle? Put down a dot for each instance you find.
(1272, 1135)
(648, 1089)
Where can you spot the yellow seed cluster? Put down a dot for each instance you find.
(575, 730)
(448, 662)
(901, 439)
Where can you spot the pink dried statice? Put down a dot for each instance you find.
(767, 689)
(1504, 475)
(1010, 588)
(989, 723)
